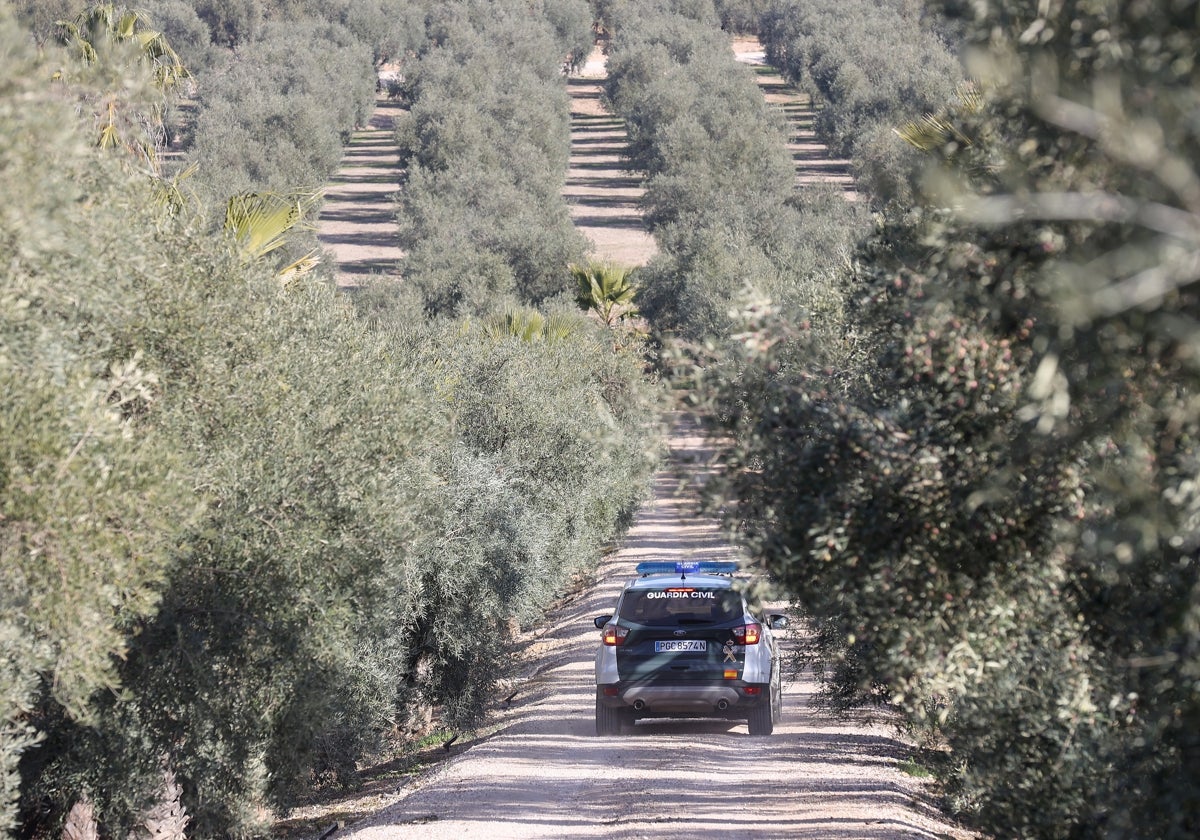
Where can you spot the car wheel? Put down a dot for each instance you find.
(762, 716)
(608, 720)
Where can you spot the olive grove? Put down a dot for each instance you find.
(253, 534)
(720, 198)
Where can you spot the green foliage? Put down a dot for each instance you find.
(546, 450)
(719, 192)
(571, 21)
(274, 118)
(41, 17)
(530, 325)
(92, 498)
(262, 223)
(873, 66)
(108, 47)
(935, 132)
(230, 22)
(605, 289)
(183, 29)
(741, 16)
(486, 142)
(984, 493)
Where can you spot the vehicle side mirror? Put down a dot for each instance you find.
(600, 621)
(777, 621)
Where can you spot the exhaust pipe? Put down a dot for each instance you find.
(638, 705)
(722, 705)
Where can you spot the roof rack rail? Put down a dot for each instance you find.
(703, 567)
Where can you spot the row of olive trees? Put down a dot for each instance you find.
(247, 535)
(485, 144)
(273, 109)
(741, 16)
(720, 194)
(990, 510)
(872, 66)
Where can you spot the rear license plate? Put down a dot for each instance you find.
(689, 645)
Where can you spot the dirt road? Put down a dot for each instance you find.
(604, 198)
(357, 224)
(545, 774)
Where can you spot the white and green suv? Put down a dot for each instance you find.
(684, 643)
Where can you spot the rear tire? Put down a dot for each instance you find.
(762, 716)
(608, 720)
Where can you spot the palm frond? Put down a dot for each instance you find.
(104, 34)
(296, 269)
(529, 325)
(934, 131)
(262, 223)
(168, 192)
(561, 325)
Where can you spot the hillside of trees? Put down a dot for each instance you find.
(246, 518)
(253, 531)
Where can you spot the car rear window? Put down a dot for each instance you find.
(680, 605)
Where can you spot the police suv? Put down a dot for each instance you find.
(684, 643)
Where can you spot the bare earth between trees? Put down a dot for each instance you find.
(542, 772)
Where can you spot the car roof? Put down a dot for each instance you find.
(663, 581)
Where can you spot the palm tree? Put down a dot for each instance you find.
(115, 44)
(605, 288)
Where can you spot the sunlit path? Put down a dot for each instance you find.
(602, 196)
(357, 224)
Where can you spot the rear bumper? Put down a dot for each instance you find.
(725, 699)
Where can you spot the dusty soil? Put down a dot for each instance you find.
(602, 196)
(538, 770)
(357, 225)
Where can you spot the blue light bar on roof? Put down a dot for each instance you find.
(707, 567)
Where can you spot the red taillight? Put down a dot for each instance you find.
(752, 690)
(747, 634)
(614, 635)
